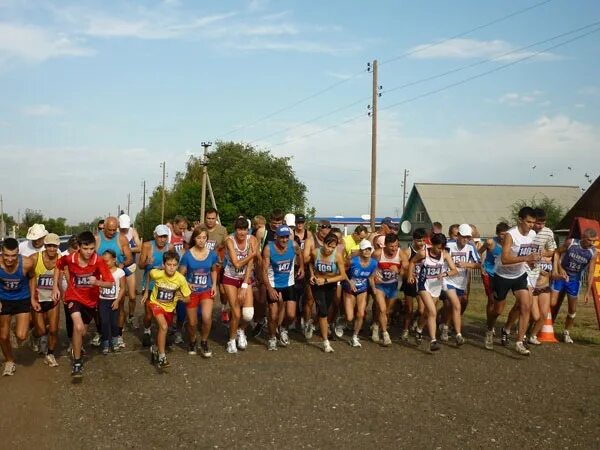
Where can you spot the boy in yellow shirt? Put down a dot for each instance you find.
(169, 288)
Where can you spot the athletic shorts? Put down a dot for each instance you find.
(87, 313)
(158, 310)
(488, 283)
(324, 296)
(130, 270)
(571, 287)
(47, 306)
(459, 292)
(236, 282)
(544, 290)
(346, 287)
(503, 285)
(14, 307)
(198, 297)
(288, 294)
(410, 290)
(390, 290)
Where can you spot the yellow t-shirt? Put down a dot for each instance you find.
(350, 246)
(166, 288)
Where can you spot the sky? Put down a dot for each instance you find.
(96, 94)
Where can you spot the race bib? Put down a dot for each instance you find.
(45, 282)
(82, 281)
(324, 267)
(546, 266)
(527, 249)
(432, 272)
(11, 285)
(284, 266)
(165, 295)
(199, 279)
(109, 293)
(211, 245)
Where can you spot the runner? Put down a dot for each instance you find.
(135, 246)
(391, 263)
(541, 296)
(313, 242)
(35, 240)
(46, 313)
(301, 236)
(492, 248)
(109, 305)
(518, 250)
(217, 234)
(168, 283)
(200, 265)
(352, 241)
(410, 289)
(178, 227)
(110, 239)
(326, 270)
(152, 258)
(87, 272)
(279, 260)
(570, 261)
(465, 257)
(387, 226)
(242, 250)
(259, 230)
(15, 298)
(361, 274)
(453, 232)
(544, 239)
(434, 260)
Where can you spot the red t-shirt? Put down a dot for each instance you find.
(79, 288)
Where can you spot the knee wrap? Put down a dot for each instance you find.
(247, 313)
(572, 316)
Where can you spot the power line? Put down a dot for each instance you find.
(351, 77)
(443, 88)
(426, 79)
(464, 33)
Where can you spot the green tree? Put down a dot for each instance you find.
(244, 180)
(554, 212)
(58, 225)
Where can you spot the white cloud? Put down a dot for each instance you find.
(41, 110)
(591, 91)
(516, 98)
(300, 46)
(335, 164)
(471, 48)
(33, 44)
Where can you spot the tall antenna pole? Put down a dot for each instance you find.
(204, 177)
(162, 202)
(404, 192)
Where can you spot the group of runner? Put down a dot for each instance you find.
(276, 275)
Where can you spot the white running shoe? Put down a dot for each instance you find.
(284, 339)
(339, 327)
(231, 347)
(375, 332)
(386, 339)
(34, 343)
(120, 342)
(96, 340)
(309, 329)
(50, 360)
(178, 338)
(355, 342)
(405, 334)
(132, 323)
(242, 342)
(533, 340)
(567, 337)
(521, 350)
(489, 340)
(272, 344)
(444, 333)
(43, 345)
(9, 369)
(327, 348)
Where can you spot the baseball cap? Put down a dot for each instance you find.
(465, 230)
(389, 222)
(52, 239)
(290, 220)
(300, 218)
(161, 230)
(124, 221)
(283, 230)
(365, 244)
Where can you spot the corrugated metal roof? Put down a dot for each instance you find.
(482, 204)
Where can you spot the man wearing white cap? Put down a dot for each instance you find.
(135, 245)
(35, 240)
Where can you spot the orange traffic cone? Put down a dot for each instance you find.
(547, 332)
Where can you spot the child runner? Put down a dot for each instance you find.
(168, 283)
(110, 301)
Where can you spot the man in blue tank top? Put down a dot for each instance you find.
(15, 298)
(279, 257)
(570, 261)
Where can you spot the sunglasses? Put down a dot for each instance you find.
(324, 226)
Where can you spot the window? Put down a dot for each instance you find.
(420, 216)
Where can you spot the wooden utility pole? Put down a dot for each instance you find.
(2, 224)
(143, 206)
(128, 204)
(404, 191)
(162, 202)
(374, 146)
(204, 177)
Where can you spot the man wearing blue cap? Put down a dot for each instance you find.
(279, 257)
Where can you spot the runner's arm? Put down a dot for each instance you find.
(126, 251)
(590, 278)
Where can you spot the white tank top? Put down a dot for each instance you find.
(230, 270)
(521, 246)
